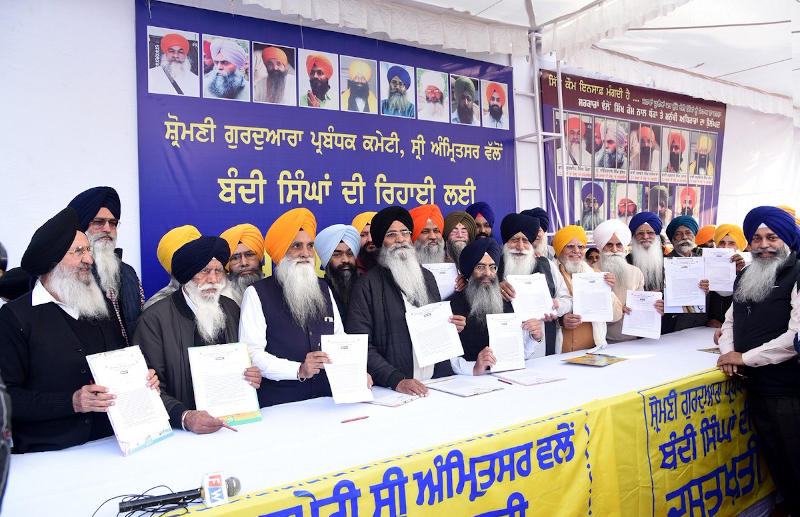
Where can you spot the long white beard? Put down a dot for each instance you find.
(175, 68)
(759, 277)
(427, 254)
(572, 267)
(209, 316)
(517, 262)
(106, 261)
(82, 295)
(614, 262)
(540, 249)
(402, 262)
(454, 249)
(685, 246)
(300, 289)
(483, 299)
(650, 261)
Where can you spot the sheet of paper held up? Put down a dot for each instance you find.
(682, 276)
(465, 385)
(347, 371)
(505, 340)
(720, 271)
(531, 296)
(433, 337)
(644, 320)
(592, 297)
(445, 274)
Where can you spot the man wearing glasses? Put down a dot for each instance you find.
(98, 212)
(247, 257)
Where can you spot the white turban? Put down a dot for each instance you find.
(232, 51)
(330, 237)
(431, 78)
(605, 230)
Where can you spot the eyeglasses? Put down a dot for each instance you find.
(81, 250)
(237, 257)
(208, 270)
(481, 268)
(100, 222)
(575, 247)
(397, 84)
(394, 234)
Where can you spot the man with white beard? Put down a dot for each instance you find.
(758, 343)
(520, 233)
(173, 76)
(681, 231)
(428, 234)
(379, 301)
(433, 102)
(194, 315)
(576, 151)
(337, 247)
(98, 212)
(45, 336)
(541, 248)
(646, 251)
(459, 230)
(247, 257)
(169, 243)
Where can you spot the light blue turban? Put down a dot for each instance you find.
(330, 237)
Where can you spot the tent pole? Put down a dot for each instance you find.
(565, 197)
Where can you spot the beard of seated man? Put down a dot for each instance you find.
(75, 287)
(483, 298)
(276, 85)
(614, 262)
(517, 262)
(227, 86)
(571, 266)
(650, 261)
(685, 246)
(454, 248)
(319, 87)
(343, 277)
(428, 254)
(209, 316)
(759, 277)
(401, 260)
(246, 277)
(301, 291)
(105, 260)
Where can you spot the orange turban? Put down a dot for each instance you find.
(566, 234)
(320, 62)
(734, 231)
(362, 220)
(676, 138)
(284, 230)
(248, 235)
(646, 132)
(688, 193)
(420, 216)
(174, 40)
(494, 87)
(274, 53)
(171, 241)
(574, 124)
(359, 68)
(705, 234)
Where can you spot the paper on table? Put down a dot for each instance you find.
(433, 337)
(219, 384)
(445, 274)
(592, 297)
(138, 416)
(720, 271)
(531, 296)
(644, 320)
(681, 276)
(505, 340)
(527, 377)
(347, 371)
(465, 385)
(390, 398)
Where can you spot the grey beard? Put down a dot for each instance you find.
(402, 262)
(651, 262)
(454, 249)
(85, 297)
(242, 280)
(685, 246)
(514, 264)
(106, 261)
(483, 299)
(614, 262)
(398, 102)
(572, 267)
(758, 278)
(208, 314)
(162, 293)
(226, 86)
(429, 254)
(300, 290)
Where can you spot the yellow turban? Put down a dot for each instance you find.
(363, 219)
(705, 234)
(566, 234)
(171, 241)
(734, 231)
(284, 230)
(704, 144)
(359, 68)
(248, 235)
(791, 212)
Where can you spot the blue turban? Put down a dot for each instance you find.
(595, 190)
(473, 253)
(682, 220)
(512, 224)
(650, 218)
(482, 208)
(540, 214)
(195, 255)
(330, 237)
(777, 220)
(399, 72)
(89, 202)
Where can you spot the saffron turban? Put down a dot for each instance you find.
(512, 224)
(51, 242)
(688, 193)
(575, 124)
(704, 144)
(595, 190)
(705, 234)
(650, 218)
(362, 220)
(496, 88)
(464, 85)
(206, 48)
(274, 53)
(174, 40)
(420, 216)
(734, 231)
(779, 221)
(605, 230)
(230, 50)
(284, 230)
(195, 255)
(646, 132)
(482, 209)
(474, 252)
(172, 241)
(89, 202)
(460, 216)
(682, 220)
(330, 237)
(431, 78)
(359, 68)
(566, 234)
(384, 219)
(540, 214)
(248, 235)
(676, 138)
(321, 62)
(399, 72)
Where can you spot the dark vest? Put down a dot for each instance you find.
(286, 339)
(475, 336)
(543, 266)
(756, 323)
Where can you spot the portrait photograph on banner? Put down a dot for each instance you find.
(172, 62)
(274, 74)
(229, 78)
(495, 111)
(397, 90)
(359, 84)
(318, 80)
(465, 104)
(433, 96)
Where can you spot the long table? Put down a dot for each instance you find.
(301, 440)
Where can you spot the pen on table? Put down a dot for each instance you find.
(505, 381)
(354, 419)
(231, 428)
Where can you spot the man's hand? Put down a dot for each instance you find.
(315, 361)
(369, 381)
(412, 387)
(717, 335)
(703, 285)
(485, 359)
(714, 323)
(459, 321)
(729, 363)
(200, 422)
(739, 262)
(626, 309)
(507, 291)
(312, 99)
(610, 279)
(461, 283)
(92, 398)
(659, 305)
(571, 321)
(152, 380)
(553, 315)
(534, 328)
(253, 376)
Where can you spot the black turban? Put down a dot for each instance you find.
(384, 219)
(14, 283)
(50, 243)
(195, 255)
(89, 202)
(473, 253)
(540, 214)
(514, 223)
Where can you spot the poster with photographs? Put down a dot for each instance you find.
(172, 62)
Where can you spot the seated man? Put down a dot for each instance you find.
(194, 315)
(427, 235)
(337, 247)
(247, 257)
(459, 230)
(483, 215)
(167, 246)
(45, 336)
(681, 232)
(647, 252)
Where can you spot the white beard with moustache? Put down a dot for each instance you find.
(427, 254)
(650, 261)
(454, 249)
(685, 246)
(82, 295)
(759, 277)
(106, 261)
(540, 249)
(244, 279)
(572, 267)
(614, 262)
(517, 262)
(174, 68)
(483, 299)
(208, 314)
(406, 271)
(300, 289)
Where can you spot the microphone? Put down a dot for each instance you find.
(211, 492)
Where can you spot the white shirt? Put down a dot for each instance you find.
(158, 82)
(41, 296)
(253, 331)
(533, 349)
